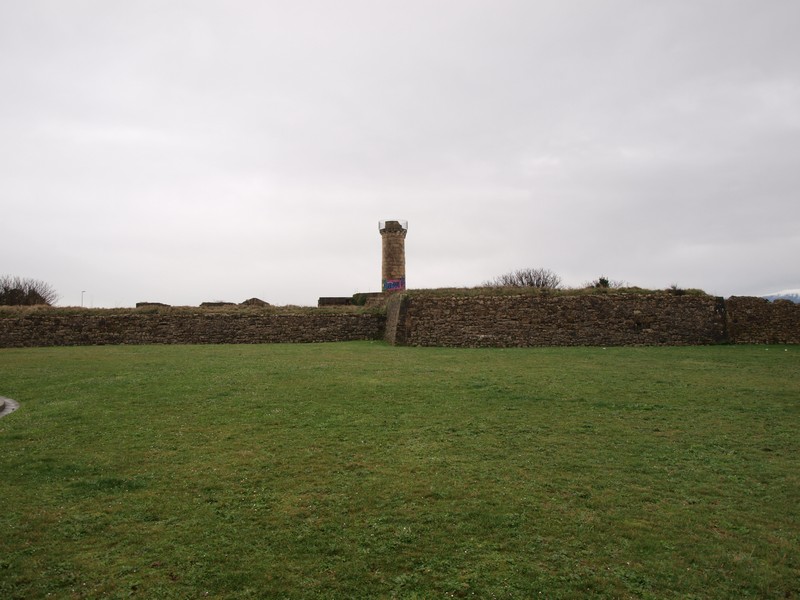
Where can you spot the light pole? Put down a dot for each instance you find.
(82, 293)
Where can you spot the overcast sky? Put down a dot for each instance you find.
(200, 150)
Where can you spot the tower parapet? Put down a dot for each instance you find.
(393, 271)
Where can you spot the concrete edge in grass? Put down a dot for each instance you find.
(7, 406)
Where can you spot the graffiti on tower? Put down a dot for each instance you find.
(394, 285)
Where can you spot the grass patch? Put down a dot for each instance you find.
(364, 470)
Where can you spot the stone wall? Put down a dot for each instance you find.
(428, 319)
(74, 327)
(557, 320)
(759, 321)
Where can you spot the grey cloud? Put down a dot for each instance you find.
(178, 150)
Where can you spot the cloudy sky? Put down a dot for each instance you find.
(184, 151)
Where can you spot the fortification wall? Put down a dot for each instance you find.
(428, 319)
(72, 327)
(579, 320)
(758, 321)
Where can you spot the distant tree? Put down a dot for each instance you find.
(605, 282)
(19, 291)
(537, 278)
(676, 290)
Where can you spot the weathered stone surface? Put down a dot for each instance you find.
(254, 302)
(396, 320)
(759, 321)
(423, 319)
(335, 301)
(587, 320)
(70, 327)
(393, 266)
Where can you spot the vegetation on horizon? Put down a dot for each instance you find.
(365, 470)
(527, 278)
(21, 291)
(545, 281)
(563, 291)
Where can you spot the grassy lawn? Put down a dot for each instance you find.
(362, 470)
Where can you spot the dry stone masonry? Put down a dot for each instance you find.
(72, 327)
(393, 268)
(759, 321)
(427, 319)
(525, 320)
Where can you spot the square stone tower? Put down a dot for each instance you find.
(393, 272)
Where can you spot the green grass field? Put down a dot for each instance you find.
(361, 470)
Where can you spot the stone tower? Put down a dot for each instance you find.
(393, 234)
